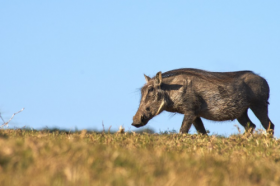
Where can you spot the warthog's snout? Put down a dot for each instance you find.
(137, 125)
(139, 121)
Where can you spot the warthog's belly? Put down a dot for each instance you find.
(220, 108)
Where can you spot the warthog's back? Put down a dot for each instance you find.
(206, 75)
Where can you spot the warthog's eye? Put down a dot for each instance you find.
(148, 109)
(151, 89)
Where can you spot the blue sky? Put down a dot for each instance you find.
(74, 64)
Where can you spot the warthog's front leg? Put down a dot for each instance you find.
(187, 123)
(199, 126)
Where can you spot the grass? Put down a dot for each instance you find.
(29, 157)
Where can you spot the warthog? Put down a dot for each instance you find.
(217, 96)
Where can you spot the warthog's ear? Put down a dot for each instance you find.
(147, 78)
(158, 78)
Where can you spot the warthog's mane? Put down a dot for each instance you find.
(210, 76)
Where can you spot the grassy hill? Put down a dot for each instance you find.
(29, 157)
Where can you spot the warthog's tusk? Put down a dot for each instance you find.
(160, 107)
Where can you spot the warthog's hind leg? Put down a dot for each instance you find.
(245, 121)
(261, 112)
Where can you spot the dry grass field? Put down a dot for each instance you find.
(35, 158)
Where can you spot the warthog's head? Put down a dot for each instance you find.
(153, 101)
